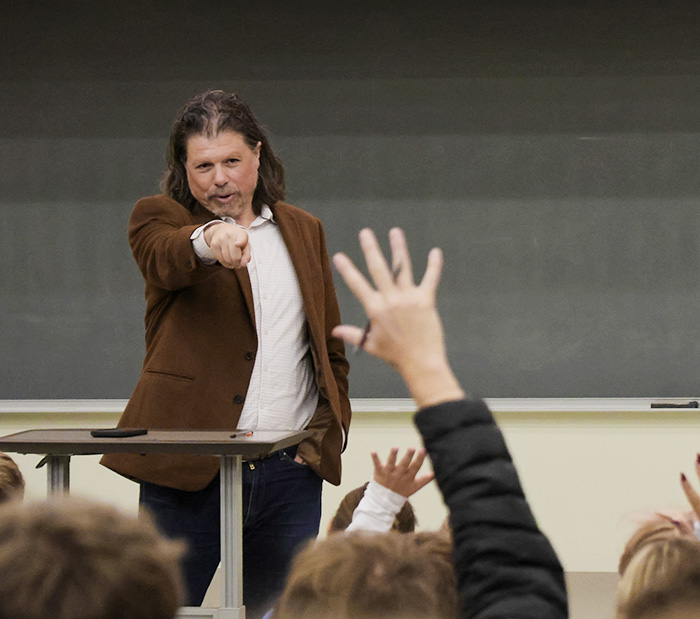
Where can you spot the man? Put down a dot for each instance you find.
(504, 564)
(240, 309)
(67, 558)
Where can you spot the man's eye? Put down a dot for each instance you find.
(233, 160)
(203, 166)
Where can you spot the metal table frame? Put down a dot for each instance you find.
(58, 446)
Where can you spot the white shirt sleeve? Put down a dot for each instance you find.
(203, 251)
(377, 509)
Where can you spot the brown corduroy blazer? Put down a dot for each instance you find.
(201, 342)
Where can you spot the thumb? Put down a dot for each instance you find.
(242, 239)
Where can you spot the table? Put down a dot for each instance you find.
(231, 447)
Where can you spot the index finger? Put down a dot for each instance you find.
(691, 494)
(245, 255)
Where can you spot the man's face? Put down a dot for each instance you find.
(222, 172)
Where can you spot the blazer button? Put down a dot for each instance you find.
(249, 356)
(238, 399)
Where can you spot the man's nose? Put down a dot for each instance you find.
(220, 177)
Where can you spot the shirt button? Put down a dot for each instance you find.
(238, 399)
(249, 356)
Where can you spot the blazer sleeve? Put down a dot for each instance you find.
(159, 236)
(506, 567)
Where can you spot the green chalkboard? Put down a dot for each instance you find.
(551, 149)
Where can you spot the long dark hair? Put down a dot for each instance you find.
(209, 114)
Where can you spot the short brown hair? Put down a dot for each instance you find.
(368, 576)
(11, 479)
(210, 113)
(67, 558)
(404, 522)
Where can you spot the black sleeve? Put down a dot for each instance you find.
(506, 567)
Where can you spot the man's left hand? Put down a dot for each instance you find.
(299, 460)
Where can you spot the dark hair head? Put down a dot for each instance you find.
(404, 522)
(209, 114)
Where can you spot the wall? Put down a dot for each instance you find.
(586, 473)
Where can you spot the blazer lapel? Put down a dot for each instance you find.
(244, 281)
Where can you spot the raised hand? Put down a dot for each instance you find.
(690, 492)
(402, 476)
(406, 330)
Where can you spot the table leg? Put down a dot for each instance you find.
(232, 538)
(58, 474)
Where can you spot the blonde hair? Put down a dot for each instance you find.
(657, 527)
(11, 479)
(365, 576)
(67, 557)
(662, 577)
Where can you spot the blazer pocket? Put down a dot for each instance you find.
(171, 375)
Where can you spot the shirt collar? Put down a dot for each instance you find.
(265, 216)
(266, 213)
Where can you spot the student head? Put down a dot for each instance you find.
(365, 576)
(11, 479)
(404, 522)
(210, 114)
(662, 581)
(658, 527)
(68, 558)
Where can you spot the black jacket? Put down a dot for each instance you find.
(506, 567)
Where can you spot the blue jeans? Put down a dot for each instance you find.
(281, 510)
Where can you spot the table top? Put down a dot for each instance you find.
(210, 442)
